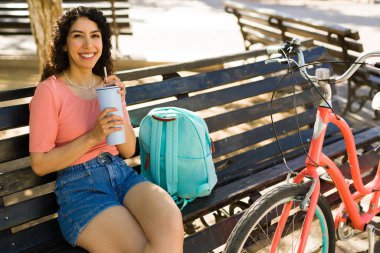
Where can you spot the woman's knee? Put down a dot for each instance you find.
(171, 233)
(175, 221)
(172, 217)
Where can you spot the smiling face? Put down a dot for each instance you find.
(84, 44)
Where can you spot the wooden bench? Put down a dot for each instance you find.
(265, 27)
(14, 17)
(232, 93)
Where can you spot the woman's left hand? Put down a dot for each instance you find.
(114, 80)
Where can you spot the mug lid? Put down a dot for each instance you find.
(108, 87)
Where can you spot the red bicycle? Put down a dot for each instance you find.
(281, 220)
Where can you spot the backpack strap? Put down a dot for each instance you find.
(171, 156)
(156, 138)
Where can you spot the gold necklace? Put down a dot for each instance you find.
(80, 86)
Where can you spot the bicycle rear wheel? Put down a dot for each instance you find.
(255, 230)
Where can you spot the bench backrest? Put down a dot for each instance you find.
(14, 17)
(260, 26)
(234, 101)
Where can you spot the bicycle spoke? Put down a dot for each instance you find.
(266, 217)
(264, 232)
(258, 242)
(262, 226)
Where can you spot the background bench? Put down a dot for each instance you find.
(232, 93)
(14, 16)
(265, 27)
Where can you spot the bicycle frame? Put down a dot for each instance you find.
(316, 158)
(324, 117)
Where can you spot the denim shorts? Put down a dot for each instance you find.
(85, 190)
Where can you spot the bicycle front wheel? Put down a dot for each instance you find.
(255, 230)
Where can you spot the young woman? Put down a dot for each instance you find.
(104, 206)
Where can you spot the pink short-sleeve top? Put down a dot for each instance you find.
(58, 116)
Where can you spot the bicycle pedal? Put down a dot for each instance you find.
(326, 177)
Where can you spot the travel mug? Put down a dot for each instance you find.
(108, 97)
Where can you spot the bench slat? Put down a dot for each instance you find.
(16, 93)
(367, 163)
(133, 74)
(56, 245)
(14, 116)
(211, 237)
(350, 44)
(15, 5)
(12, 31)
(258, 134)
(175, 86)
(241, 165)
(20, 213)
(6, 232)
(250, 113)
(22, 179)
(263, 40)
(30, 237)
(14, 148)
(202, 81)
(216, 98)
(266, 31)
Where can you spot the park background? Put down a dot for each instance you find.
(168, 31)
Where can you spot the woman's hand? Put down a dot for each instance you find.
(106, 123)
(114, 80)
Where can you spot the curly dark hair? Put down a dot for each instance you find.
(58, 60)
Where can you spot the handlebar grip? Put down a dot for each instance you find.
(274, 49)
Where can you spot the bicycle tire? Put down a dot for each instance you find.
(247, 236)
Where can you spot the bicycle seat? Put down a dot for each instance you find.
(376, 101)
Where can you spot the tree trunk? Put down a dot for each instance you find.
(42, 14)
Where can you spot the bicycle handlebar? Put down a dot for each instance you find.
(349, 72)
(292, 48)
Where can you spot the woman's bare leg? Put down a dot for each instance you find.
(114, 230)
(158, 216)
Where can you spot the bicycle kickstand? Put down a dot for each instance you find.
(371, 238)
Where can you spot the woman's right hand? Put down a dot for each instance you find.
(106, 123)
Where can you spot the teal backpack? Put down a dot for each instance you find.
(175, 152)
